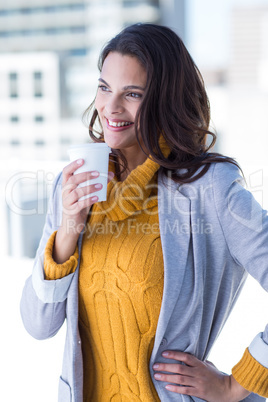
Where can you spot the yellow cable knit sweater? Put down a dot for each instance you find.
(120, 289)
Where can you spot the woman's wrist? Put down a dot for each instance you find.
(64, 245)
(235, 392)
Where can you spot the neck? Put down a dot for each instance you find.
(133, 160)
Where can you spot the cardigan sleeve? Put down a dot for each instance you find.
(245, 227)
(43, 302)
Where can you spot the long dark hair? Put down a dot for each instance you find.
(175, 104)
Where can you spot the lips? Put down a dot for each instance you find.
(118, 125)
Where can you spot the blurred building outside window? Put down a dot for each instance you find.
(14, 119)
(38, 85)
(50, 53)
(13, 79)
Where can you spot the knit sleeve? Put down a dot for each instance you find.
(252, 375)
(51, 268)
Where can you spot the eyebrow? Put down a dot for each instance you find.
(126, 88)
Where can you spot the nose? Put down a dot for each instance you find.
(114, 105)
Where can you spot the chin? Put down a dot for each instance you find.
(112, 142)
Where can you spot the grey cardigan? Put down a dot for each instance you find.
(212, 231)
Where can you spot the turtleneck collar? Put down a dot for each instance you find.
(136, 193)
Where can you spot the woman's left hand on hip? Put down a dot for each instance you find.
(198, 378)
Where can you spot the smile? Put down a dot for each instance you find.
(118, 123)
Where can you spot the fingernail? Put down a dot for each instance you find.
(157, 376)
(94, 173)
(169, 387)
(155, 366)
(165, 354)
(94, 199)
(79, 161)
(98, 185)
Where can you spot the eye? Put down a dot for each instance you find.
(103, 88)
(134, 95)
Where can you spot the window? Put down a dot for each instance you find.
(131, 3)
(39, 119)
(38, 84)
(78, 52)
(13, 85)
(4, 12)
(14, 119)
(39, 143)
(15, 143)
(78, 29)
(26, 10)
(80, 6)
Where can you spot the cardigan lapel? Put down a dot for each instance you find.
(175, 230)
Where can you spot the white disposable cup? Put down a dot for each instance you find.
(96, 157)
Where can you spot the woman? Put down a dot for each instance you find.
(150, 280)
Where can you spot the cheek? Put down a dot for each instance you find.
(132, 110)
(98, 104)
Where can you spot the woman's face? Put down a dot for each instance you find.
(121, 89)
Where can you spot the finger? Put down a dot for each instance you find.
(75, 180)
(173, 368)
(78, 192)
(176, 379)
(87, 203)
(82, 177)
(183, 390)
(186, 358)
(71, 168)
(80, 205)
(110, 176)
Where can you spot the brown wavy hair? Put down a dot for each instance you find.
(175, 103)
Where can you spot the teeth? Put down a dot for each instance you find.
(118, 124)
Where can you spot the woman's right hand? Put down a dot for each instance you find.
(75, 211)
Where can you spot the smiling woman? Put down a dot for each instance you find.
(163, 74)
(147, 278)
